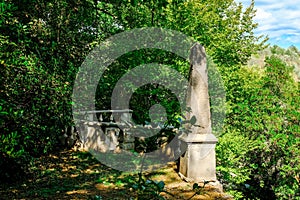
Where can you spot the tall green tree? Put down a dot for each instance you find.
(223, 27)
(42, 46)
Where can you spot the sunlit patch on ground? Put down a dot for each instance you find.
(77, 175)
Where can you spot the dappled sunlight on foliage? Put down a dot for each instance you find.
(258, 154)
(42, 47)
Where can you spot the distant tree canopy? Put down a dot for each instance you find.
(290, 56)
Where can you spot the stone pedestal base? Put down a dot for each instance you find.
(198, 163)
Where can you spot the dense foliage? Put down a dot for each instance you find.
(42, 46)
(258, 153)
(43, 43)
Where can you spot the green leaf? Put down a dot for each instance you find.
(161, 185)
(195, 186)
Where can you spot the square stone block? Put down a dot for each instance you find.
(198, 163)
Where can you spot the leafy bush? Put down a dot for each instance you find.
(258, 155)
(35, 101)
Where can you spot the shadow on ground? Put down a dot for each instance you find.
(77, 175)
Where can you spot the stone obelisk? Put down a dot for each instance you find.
(198, 163)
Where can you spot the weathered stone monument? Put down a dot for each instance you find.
(198, 163)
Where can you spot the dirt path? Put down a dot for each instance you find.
(77, 175)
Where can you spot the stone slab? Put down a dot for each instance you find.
(198, 163)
